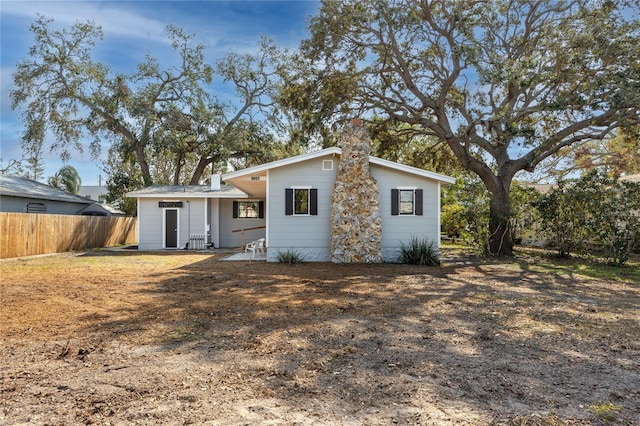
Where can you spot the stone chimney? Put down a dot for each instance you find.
(356, 225)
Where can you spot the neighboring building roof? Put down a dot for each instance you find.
(190, 191)
(14, 186)
(542, 188)
(99, 209)
(337, 151)
(631, 178)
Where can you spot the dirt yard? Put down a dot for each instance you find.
(184, 338)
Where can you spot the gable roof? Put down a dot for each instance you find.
(242, 176)
(14, 186)
(444, 179)
(281, 163)
(190, 191)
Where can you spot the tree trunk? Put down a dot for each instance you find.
(500, 243)
(144, 166)
(199, 170)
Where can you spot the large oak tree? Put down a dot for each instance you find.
(506, 84)
(166, 120)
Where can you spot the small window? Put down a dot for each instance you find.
(327, 164)
(248, 209)
(301, 201)
(406, 202)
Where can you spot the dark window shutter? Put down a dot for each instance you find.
(418, 202)
(288, 201)
(313, 202)
(261, 210)
(235, 209)
(395, 202)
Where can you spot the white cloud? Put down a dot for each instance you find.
(112, 16)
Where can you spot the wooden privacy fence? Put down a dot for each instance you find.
(26, 234)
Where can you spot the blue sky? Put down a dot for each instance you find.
(131, 29)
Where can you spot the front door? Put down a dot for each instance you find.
(171, 228)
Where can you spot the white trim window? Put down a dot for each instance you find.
(248, 209)
(301, 201)
(407, 202)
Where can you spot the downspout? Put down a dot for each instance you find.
(188, 223)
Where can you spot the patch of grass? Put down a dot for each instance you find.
(630, 272)
(605, 410)
(589, 267)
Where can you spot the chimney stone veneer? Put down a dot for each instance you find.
(356, 225)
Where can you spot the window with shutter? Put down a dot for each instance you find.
(406, 202)
(301, 201)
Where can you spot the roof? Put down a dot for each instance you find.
(337, 151)
(106, 208)
(14, 186)
(248, 179)
(187, 191)
(631, 178)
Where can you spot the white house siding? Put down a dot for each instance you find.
(228, 224)
(150, 229)
(307, 235)
(401, 228)
(191, 220)
(213, 219)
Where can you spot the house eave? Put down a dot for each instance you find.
(443, 179)
(182, 192)
(280, 163)
(186, 195)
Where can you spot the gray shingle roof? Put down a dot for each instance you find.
(15, 186)
(198, 191)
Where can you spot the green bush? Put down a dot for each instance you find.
(595, 212)
(290, 257)
(419, 251)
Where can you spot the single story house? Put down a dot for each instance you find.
(22, 195)
(323, 205)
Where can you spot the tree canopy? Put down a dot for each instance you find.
(165, 120)
(506, 84)
(67, 179)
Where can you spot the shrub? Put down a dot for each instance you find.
(419, 251)
(593, 212)
(290, 257)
